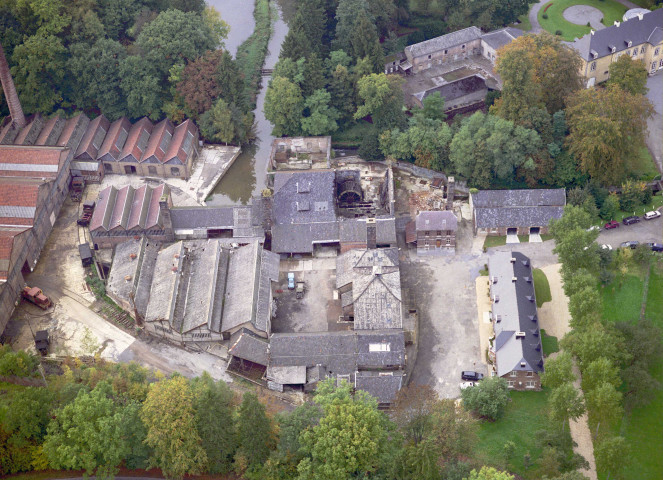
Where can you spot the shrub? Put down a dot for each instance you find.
(19, 363)
(488, 398)
(588, 24)
(646, 195)
(559, 32)
(545, 16)
(610, 207)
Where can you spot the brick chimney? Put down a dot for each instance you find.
(11, 96)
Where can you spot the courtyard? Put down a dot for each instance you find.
(570, 17)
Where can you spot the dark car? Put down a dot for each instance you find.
(630, 244)
(655, 247)
(611, 224)
(630, 220)
(469, 375)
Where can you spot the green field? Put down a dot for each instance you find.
(549, 343)
(611, 9)
(541, 287)
(523, 417)
(641, 426)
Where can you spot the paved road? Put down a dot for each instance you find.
(533, 16)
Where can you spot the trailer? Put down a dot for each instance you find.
(36, 296)
(86, 254)
(76, 188)
(86, 216)
(42, 342)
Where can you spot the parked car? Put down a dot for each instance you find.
(291, 281)
(470, 375)
(465, 385)
(611, 224)
(652, 215)
(630, 220)
(632, 244)
(593, 228)
(655, 247)
(605, 246)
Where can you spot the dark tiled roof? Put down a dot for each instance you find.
(93, 138)
(498, 38)
(516, 312)
(160, 139)
(382, 385)
(436, 220)
(299, 238)
(517, 208)
(354, 230)
(248, 346)
(453, 90)
(137, 140)
(202, 217)
(181, 144)
(636, 31)
(445, 41)
(115, 139)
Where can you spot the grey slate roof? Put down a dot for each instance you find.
(515, 311)
(445, 41)
(303, 210)
(163, 291)
(517, 208)
(498, 38)
(382, 385)
(340, 353)
(456, 89)
(248, 346)
(123, 267)
(354, 230)
(436, 220)
(201, 217)
(647, 30)
(287, 375)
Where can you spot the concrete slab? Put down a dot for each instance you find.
(535, 238)
(581, 14)
(213, 162)
(512, 239)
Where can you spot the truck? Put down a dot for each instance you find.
(36, 296)
(42, 342)
(299, 290)
(86, 216)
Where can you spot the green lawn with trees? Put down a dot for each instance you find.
(552, 19)
(541, 287)
(548, 343)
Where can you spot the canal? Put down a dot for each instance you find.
(248, 175)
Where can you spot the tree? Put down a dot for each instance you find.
(612, 454)
(170, 419)
(595, 342)
(175, 37)
(254, 431)
(313, 75)
(609, 207)
(39, 72)
(347, 13)
(508, 449)
(382, 99)
(598, 372)
(322, 118)
(413, 408)
(605, 403)
(369, 149)
(142, 87)
(89, 434)
(558, 371)
(117, 16)
(488, 398)
(306, 32)
(291, 426)
(575, 475)
(283, 106)
(489, 473)
(433, 108)
(364, 41)
(341, 87)
(585, 307)
(607, 130)
(566, 403)
(199, 83)
(214, 421)
(628, 74)
(348, 440)
(217, 123)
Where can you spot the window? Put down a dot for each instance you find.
(152, 170)
(510, 383)
(108, 168)
(660, 64)
(99, 138)
(447, 51)
(427, 233)
(656, 51)
(635, 52)
(642, 50)
(463, 47)
(428, 57)
(379, 347)
(174, 171)
(439, 233)
(513, 373)
(593, 66)
(530, 374)
(530, 384)
(121, 138)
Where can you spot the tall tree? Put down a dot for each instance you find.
(321, 119)
(199, 83)
(382, 99)
(558, 371)
(364, 41)
(607, 130)
(566, 403)
(142, 87)
(488, 398)
(347, 13)
(254, 431)
(489, 473)
(629, 74)
(170, 419)
(215, 421)
(283, 106)
(341, 87)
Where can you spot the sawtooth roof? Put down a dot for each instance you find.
(128, 208)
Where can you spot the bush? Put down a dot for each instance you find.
(588, 24)
(559, 32)
(646, 196)
(369, 149)
(488, 398)
(545, 16)
(19, 363)
(491, 96)
(632, 195)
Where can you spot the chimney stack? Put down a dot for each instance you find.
(13, 102)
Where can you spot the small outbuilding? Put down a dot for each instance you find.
(85, 252)
(433, 232)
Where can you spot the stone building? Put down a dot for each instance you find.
(516, 212)
(459, 93)
(447, 48)
(491, 42)
(433, 232)
(640, 37)
(516, 347)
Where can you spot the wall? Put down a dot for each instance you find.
(439, 57)
(600, 72)
(519, 382)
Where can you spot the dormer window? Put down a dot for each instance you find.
(594, 53)
(612, 48)
(629, 43)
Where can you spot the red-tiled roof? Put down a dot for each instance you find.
(161, 137)
(87, 145)
(33, 122)
(153, 212)
(7, 235)
(69, 129)
(122, 203)
(177, 144)
(19, 195)
(102, 205)
(137, 140)
(127, 208)
(114, 131)
(46, 130)
(15, 161)
(139, 207)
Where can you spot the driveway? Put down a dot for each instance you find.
(645, 231)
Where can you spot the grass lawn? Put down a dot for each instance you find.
(656, 202)
(493, 241)
(523, 417)
(541, 287)
(525, 25)
(641, 426)
(351, 136)
(549, 343)
(622, 298)
(643, 166)
(611, 9)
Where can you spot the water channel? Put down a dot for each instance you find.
(247, 176)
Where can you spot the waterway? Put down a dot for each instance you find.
(248, 175)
